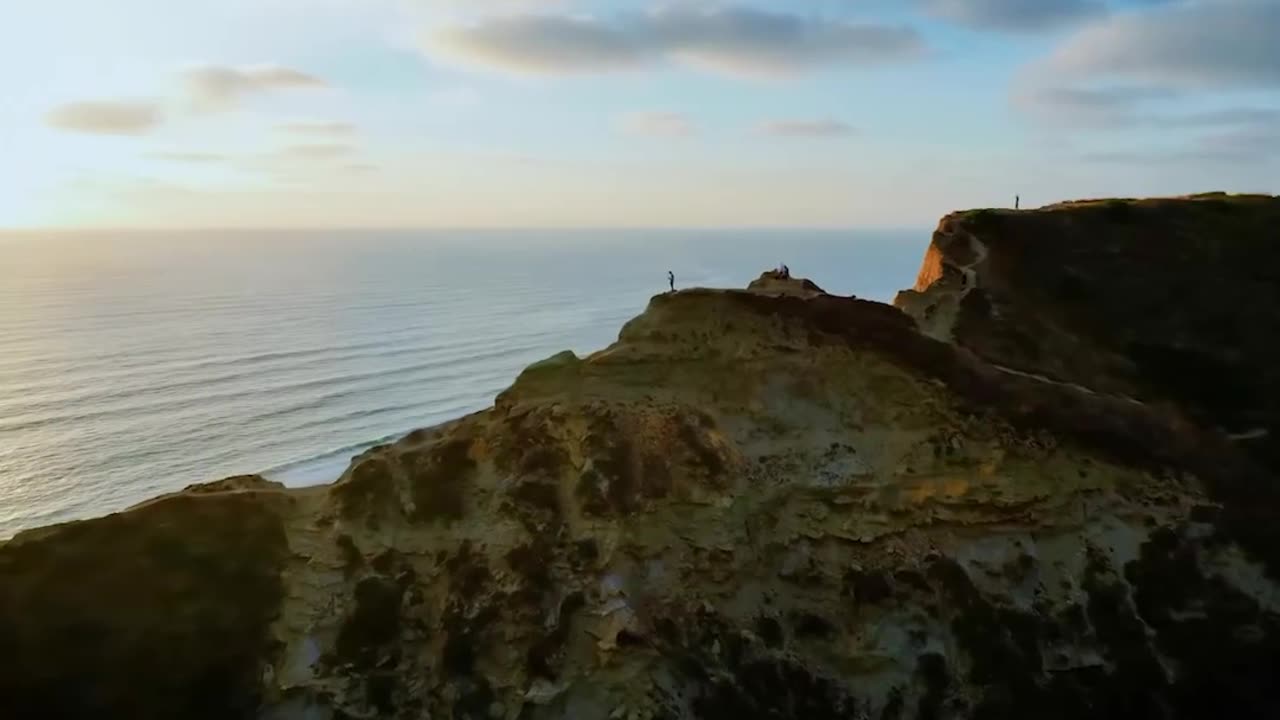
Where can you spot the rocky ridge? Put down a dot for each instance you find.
(761, 503)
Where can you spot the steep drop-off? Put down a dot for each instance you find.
(761, 503)
(1169, 300)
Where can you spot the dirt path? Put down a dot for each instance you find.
(1073, 386)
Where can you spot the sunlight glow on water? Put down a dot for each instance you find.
(138, 364)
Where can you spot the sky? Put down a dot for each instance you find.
(604, 113)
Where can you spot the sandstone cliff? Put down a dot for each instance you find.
(762, 503)
(1172, 300)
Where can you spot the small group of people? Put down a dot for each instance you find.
(783, 273)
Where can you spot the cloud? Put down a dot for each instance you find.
(1143, 69)
(544, 44)
(106, 117)
(658, 124)
(807, 128)
(1212, 44)
(336, 129)
(1108, 99)
(1014, 15)
(1254, 140)
(193, 158)
(1183, 156)
(1237, 137)
(1114, 108)
(317, 151)
(731, 40)
(216, 87)
(1096, 107)
(208, 88)
(1255, 117)
(307, 163)
(303, 161)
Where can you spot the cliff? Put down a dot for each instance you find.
(761, 503)
(1162, 300)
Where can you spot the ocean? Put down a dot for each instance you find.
(136, 363)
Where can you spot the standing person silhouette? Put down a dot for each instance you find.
(671, 279)
(1017, 202)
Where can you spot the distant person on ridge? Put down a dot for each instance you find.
(671, 279)
(786, 272)
(1017, 202)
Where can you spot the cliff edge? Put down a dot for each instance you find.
(1165, 300)
(762, 503)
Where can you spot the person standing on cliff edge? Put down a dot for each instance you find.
(1017, 202)
(671, 279)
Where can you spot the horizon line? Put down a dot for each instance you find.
(77, 229)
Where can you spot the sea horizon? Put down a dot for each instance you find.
(22, 232)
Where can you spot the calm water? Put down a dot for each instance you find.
(136, 364)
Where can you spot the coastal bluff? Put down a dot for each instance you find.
(1044, 483)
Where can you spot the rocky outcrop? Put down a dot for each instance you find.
(762, 503)
(1164, 300)
(162, 611)
(775, 282)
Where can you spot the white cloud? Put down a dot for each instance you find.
(1236, 147)
(317, 151)
(1014, 15)
(658, 124)
(1097, 107)
(807, 128)
(332, 129)
(218, 87)
(192, 158)
(1197, 45)
(732, 40)
(106, 117)
(1171, 68)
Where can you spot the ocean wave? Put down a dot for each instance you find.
(25, 400)
(186, 401)
(428, 340)
(348, 451)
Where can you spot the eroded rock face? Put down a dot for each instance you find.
(772, 503)
(1171, 303)
(164, 611)
(1162, 300)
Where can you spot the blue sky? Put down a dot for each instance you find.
(429, 113)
